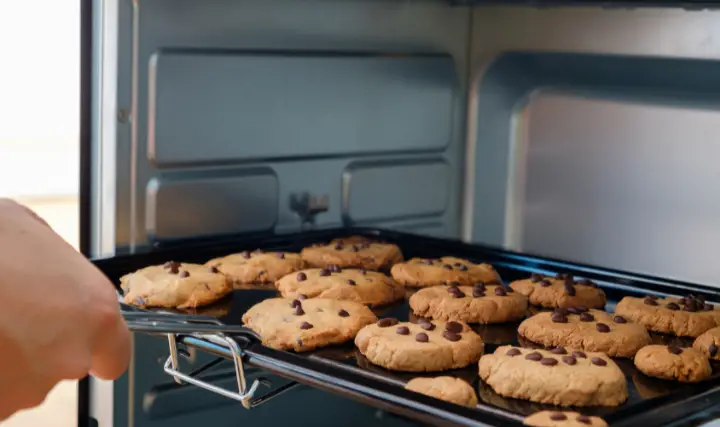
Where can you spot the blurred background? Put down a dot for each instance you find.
(39, 146)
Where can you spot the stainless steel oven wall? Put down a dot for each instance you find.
(595, 136)
(228, 110)
(239, 107)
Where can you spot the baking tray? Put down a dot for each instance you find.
(343, 370)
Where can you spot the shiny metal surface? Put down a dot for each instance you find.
(525, 184)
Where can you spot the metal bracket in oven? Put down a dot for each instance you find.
(202, 327)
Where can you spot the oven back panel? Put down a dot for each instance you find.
(553, 131)
(242, 107)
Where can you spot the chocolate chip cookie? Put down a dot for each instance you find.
(563, 419)
(670, 362)
(570, 379)
(479, 304)
(709, 343)
(421, 347)
(174, 285)
(353, 252)
(422, 272)
(363, 286)
(304, 325)
(450, 389)
(560, 291)
(257, 267)
(581, 329)
(687, 317)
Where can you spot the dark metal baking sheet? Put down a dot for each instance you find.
(344, 370)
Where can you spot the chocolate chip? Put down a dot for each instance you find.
(455, 292)
(563, 276)
(422, 337)
(463, 268)
(339, 247)
(558, 416)
(447, 267)
(708, 307)
(545, 283)
(214, 269)
(387, 322)
(584, 419)
(298, 310)
(579, 354)
(478, 292)
(306, 325)
(674, 349)
(427, 326)
(363, 271)
(649, 301)
(324, 273)
(534, 356)
(619, 319)
(280, 255)
(713, 349)
(570, 360)
(601, 327)
(343, 313)
(535, 277)
(598, 361)
(174, 268)
(295, 303)
(500, 291)
(549, 361)
(454, 327)
(672, 306)
(653, 297)
(559, 318)
(169, 264)
(301, 277)
(245, 254)
(451, 336)
(334, 268)
(184, 274)
(513, 352)
(351, 282)
(558, 350)
(402, 330)
(691, 307)
(456, 284)
(479, 285)
(569, 288)
(586, 317)
(302, 297)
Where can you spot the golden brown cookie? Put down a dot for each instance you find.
(422, 272)
(257, 267)
(563, 419)
(589, 330)
(577, 379)
(709, 343)
(682, 317)
(670, 362)
(450, 389)
(479, 304)
(367, 287)
(175, 285)
(353, 252)
(422, 347)
(561, 291)
(286, 324)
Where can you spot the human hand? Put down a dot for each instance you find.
(60, 317)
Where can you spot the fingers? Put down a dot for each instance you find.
(112, 349)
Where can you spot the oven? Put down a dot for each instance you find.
(563, 135)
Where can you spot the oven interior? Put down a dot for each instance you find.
(580, 130)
